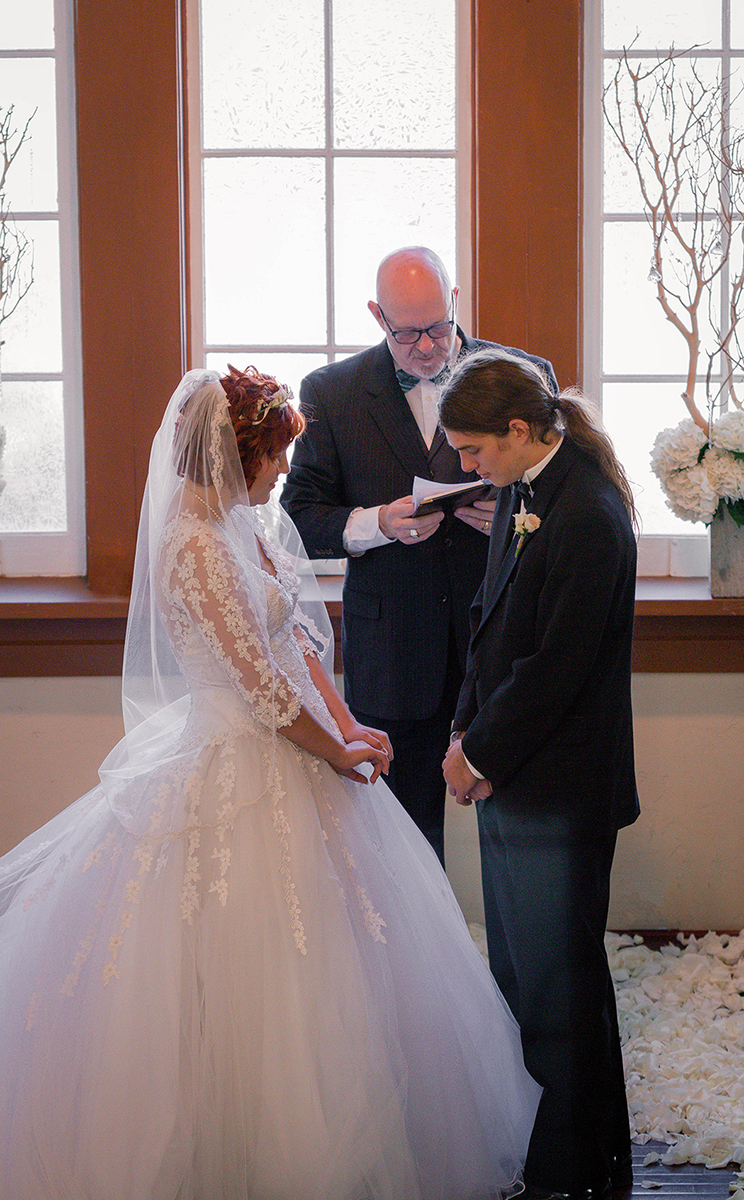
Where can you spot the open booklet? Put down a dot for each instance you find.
(429, 496)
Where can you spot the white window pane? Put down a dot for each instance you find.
(394, 74)
(264, 251)
(33, 500)
(737, 94)
(27, 26)
(381, 204)
(682, 23)
(263, 82)
(637, 338)
(634, 413)
(28, 84)
(622, 192)
(287, 367)
(737, 26)
(33, 334)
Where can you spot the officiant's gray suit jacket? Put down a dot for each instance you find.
(362, 448)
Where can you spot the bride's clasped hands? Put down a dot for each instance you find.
(364, 745)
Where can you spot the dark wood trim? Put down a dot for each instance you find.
(679, 627)
(527, 178)
(129, 123)
(60, 627)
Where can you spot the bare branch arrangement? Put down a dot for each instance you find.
(673, 126)
(672, 123)
(16, 251)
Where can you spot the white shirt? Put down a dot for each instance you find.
(362, 531)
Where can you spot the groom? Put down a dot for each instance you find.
(544, 744)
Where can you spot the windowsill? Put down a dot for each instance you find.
(60, 598)
(680, 627)
(59, 627)
(667, 596)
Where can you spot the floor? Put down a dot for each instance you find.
(677, 1183)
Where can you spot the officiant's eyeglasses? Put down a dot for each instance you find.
(407, 337)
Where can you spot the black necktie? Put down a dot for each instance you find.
(521, 490)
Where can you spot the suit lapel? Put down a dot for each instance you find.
(547, 487)
(390, 411)
(467, 346)
(503, 575)
(437, 442)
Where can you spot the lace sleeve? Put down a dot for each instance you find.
(303, 641)
(205, 590)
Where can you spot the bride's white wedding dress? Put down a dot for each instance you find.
(227, 972)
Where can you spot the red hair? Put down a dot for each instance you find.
(261, 432)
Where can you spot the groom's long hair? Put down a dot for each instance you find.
(490, 388)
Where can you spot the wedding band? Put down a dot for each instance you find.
(414, 533)
(485, 525)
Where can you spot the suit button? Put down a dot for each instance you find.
(448, 541)
(445, 599)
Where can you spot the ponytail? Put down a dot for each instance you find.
(582, 423)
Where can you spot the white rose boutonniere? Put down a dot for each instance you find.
(524, 524)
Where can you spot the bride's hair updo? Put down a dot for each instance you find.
(262, 415)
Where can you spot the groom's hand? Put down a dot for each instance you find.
(479, 515)
(460, 780)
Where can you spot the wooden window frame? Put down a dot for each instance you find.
(527, 289)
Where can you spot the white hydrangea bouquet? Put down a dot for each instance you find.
(700, 471)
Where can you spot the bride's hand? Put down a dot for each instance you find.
(354, 732)
(353, 753)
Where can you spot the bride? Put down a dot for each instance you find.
(235, 968)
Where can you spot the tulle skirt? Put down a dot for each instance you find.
(282, 1005)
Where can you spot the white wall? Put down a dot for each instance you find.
(54, 734)
(680, 866)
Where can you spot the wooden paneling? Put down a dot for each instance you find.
(527, 178)
(58, 627)
(129, 154)
(680, 627)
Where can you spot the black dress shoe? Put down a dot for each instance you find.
(602, 1191)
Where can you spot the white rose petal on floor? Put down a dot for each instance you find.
(681, 1016)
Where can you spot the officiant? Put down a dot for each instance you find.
(372, 428)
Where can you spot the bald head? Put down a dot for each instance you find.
(410, 272)
(414, 292)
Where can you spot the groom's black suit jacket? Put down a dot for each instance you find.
(362, 448)
(546, 700)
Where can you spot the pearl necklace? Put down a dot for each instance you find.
(206, 504)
